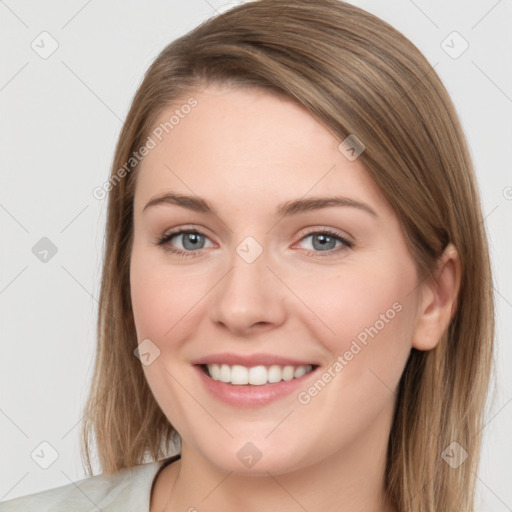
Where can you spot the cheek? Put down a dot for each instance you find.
(162, 302)
(161, 296)
(372, 315)
(365, 316)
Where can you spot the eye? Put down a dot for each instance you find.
(326, 242)
(188, 241)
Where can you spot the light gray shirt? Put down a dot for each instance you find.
(129, 490)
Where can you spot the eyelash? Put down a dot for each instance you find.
(164, 243)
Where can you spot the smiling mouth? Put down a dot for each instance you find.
(238, 375)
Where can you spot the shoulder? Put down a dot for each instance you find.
(128, 490)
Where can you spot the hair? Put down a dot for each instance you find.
(356, 75)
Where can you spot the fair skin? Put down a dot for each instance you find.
(245, 152)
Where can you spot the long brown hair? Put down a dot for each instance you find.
(356, 75)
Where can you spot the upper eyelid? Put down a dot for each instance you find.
(303, 233)
(323, 229)
(346, 240)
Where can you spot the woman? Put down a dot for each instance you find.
(296, 310)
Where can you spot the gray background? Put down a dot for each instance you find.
(61, 116)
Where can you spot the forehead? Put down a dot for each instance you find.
(251, 145)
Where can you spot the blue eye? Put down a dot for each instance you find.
(191, 241)
(323, 243)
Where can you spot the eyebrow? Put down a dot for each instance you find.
(292, 207)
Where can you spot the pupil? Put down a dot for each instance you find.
(193, 239)
(324, 240)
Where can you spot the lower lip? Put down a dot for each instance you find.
(250, 395)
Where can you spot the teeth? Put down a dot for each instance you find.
(256, 375)
(274, 374)
(300, 371)
(239, 375)
(224, 373)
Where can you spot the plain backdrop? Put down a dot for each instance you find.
(60, 119)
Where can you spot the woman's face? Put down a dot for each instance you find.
(257, 282)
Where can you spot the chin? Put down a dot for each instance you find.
(255, 458)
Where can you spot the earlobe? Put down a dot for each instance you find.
(438, 301)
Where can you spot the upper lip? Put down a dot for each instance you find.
(250, 360)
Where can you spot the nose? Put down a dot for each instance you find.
(249, 298)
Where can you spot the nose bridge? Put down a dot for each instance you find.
(249, 294)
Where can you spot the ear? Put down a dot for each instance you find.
(438, 301)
